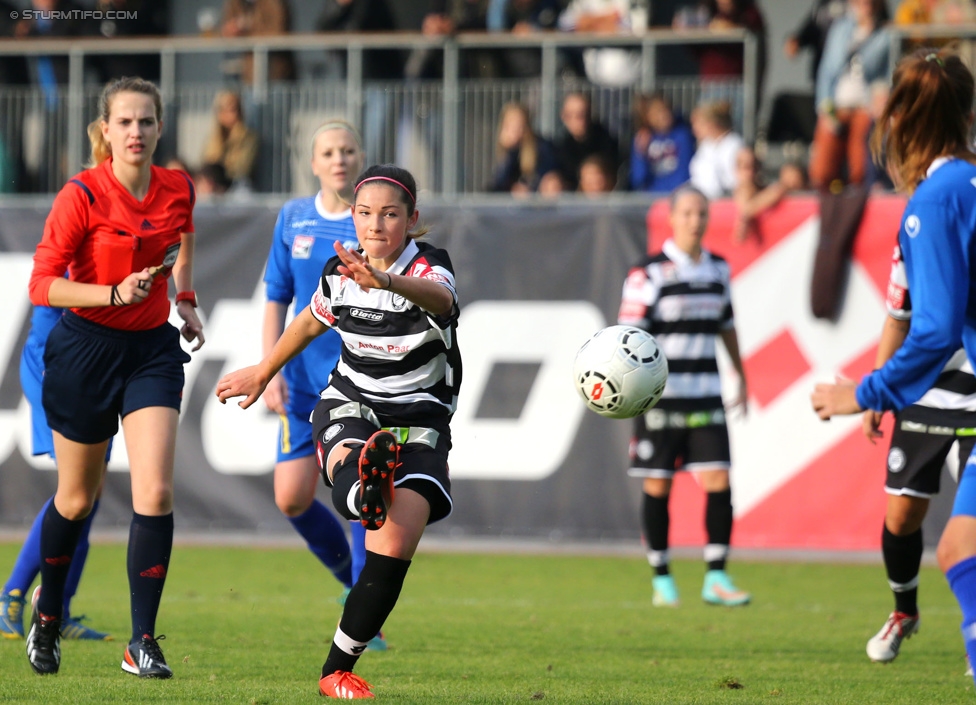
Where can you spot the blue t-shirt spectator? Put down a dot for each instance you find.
(659, 160)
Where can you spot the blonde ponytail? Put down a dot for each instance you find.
(100, 148)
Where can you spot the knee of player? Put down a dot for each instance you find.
(75, 506)
(154, 500)
(291, 505)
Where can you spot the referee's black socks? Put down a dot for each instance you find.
(59, 539)
(368, 605)
(902, 558)
(150, 546)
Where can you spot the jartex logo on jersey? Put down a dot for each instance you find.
(366, 315)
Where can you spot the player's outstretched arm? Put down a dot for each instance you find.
(250, 382)
(429, 295)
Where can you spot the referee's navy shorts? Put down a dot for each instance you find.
(95, 374)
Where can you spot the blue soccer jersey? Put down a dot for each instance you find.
(303, 243)
(936, 239)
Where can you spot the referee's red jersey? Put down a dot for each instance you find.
(99, 232)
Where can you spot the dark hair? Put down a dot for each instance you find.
(927, 115)
(400, 179)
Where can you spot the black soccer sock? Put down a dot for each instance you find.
(345, 475)
(718, 527)
(657, 523)
(368, 605)
(902, 558)
(59, 538)
(150, 546)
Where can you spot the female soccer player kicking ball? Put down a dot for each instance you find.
(383, 423)
(924, 134)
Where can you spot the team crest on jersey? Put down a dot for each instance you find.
(669, 271)
(331, 432)
(645, 449)
(896, 460)
(301, 248)
(912, 225)
(398, 302)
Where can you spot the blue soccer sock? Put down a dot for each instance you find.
(78, 564)
(962, 581)
(28, 563)
(326, 539)
(357, 542)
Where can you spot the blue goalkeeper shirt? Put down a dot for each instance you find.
(303, 242)
(937, 235)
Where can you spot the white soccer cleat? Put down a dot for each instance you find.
(884, 646)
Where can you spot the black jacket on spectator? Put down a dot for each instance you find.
(508, 172)
(364, 16)
(152, 20)
(571, 152)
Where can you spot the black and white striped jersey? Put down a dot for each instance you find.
(685, 305)
(396, 358)
(955, 387)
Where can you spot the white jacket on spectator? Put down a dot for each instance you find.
(713, 166)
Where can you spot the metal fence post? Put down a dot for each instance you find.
(750, 86)
(452, 97)
(260, 88)
(354, 84)
(76, 114)
(547, 90)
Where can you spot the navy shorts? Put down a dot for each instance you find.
(423, 451)
(95, 374)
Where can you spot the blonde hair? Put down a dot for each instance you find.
(100, 148)
(528, 147)
(337, 124)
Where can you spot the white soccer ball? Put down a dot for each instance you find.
(620, 372)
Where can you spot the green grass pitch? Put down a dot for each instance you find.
(253, 626)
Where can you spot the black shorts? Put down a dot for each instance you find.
(423, 451)
(667, 441)
(921, 443)
(94, 374)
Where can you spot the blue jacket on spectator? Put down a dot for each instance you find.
(873, 54)
(663, 165)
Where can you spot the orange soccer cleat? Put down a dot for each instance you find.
(344, 685)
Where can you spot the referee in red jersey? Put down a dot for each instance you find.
(120, 229)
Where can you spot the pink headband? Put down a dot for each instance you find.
(392, 181)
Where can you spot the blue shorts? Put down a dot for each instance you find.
(295, 429)
(95, 374)
(31, 378)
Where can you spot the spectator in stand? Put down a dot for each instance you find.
(232, 144)
(596, 175)
(144, 18)
(260, 18)
(856, 55)
(812, 34)
(753, 197)
(581, 137)
(935, 12)
(662, 148)
(613, 66)
(211, 181)
(720, 65)
(713, 166)
(446, 17)
(522, 17)
(525, 161)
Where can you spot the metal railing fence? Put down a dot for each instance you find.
(442, 129)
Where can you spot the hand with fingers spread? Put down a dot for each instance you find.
(248, 382)
(355, 266)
